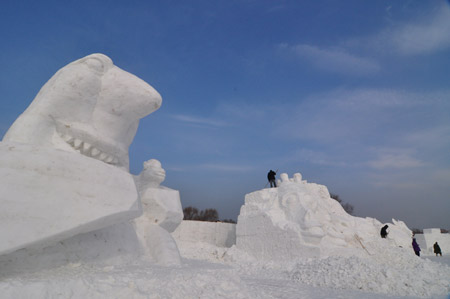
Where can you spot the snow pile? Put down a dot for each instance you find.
(394, 272)
(300, 219)
(405, 277)
(133, 280)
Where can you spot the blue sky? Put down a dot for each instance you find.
(354, 95)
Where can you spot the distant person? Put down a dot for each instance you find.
(384, 231)
(437, 249)
(416, 247)
(271, 178)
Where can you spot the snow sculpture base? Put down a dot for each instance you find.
(157, 243)
(300, 219)
(162, 206)
(48, 195)
(113, 245)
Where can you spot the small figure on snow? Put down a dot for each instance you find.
(416, 247)
(271, 178)
(437, 249)
(384, 231)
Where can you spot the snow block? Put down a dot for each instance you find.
(431, 236)
(215, 233)
(112, 245)
(48, 195)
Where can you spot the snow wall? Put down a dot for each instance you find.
(216, 233)
(429, 237)
(300, 219)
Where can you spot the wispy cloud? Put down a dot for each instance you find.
(336, 60)
(395, 158)
(347, 115)
(226, 167)
(200, 121)
(315, 157)
(438, 136)
(241, 110)
(425, 36)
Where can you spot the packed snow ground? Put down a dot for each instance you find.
(395, 273)
(208, 271)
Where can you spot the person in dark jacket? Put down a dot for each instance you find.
(416, 247)
(384, 231)
(437, 249)
(271, 178)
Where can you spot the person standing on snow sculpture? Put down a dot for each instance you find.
(437, 249)
(416, 247)
(271, 178)
(384, 231)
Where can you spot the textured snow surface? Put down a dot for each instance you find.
(300, 220)
(201, 279)
(394, 273)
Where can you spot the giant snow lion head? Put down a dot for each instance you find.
(90, 107)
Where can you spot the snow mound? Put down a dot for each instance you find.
(401, 276)
(134, 280)
(300, 219)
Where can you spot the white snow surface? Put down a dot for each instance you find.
(208, 271)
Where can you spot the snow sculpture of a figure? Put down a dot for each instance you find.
(162, 214)
(64, 162)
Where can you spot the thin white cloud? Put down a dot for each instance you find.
(419, 37)
(239, 109)
(226, 167)
(336, 60)
(314, 157)
(348, 115)
(195, 120)
(436, 136)
(395, 158)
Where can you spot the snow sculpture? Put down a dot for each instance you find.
(90, 106)
(161, 205)
(64, 161)
(300, 219)
(162, 214)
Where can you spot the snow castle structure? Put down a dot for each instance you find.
(65, 184)
(300, 219)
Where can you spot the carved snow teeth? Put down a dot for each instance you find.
(77, 143)
(88, 150)
(68, 139)
(94, 152)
